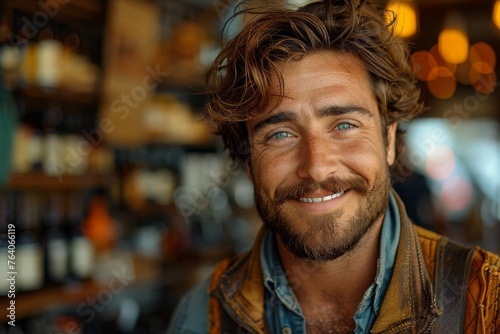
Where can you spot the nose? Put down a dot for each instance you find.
(317, 157)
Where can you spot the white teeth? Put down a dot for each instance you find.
(321, 199)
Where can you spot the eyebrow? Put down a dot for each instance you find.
(286, 116)
(343, 110)
(281, 117)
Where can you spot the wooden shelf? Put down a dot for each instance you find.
(43, 181)
(146, 273)
(83, 10)
(56, 94)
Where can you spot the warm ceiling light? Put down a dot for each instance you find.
(496, 14)
(405, 24)
(453, 40)
(453, 45)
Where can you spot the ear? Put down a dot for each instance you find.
(249, 171)
(391, 143)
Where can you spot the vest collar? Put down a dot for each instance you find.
(409, 305)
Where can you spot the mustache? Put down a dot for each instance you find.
(332, 185)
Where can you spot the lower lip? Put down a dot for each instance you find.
(322, 207)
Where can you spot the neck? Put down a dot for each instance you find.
(344, 279)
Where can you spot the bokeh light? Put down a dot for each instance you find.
(440, 60)
(442, 77)
(445, 85)
(406, 18)
(482, 58)
(425, 62)
(453, 45)
(482, 71)
(440, 163)
(496, 14)
(456, 193)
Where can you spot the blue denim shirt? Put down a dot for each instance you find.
(282, 309)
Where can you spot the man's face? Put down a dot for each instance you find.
(319, 162)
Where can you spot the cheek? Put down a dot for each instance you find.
(269, 170)
(365, 158)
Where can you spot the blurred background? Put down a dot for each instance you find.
(121, 199)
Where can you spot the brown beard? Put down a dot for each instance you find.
(326, 238)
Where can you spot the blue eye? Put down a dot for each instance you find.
(344, 126)
(281, 135)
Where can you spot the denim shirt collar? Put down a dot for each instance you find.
(277, 284)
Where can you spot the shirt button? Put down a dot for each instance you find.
(286, 330)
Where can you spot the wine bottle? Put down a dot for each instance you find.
(55, 243)
(81, 250)
(29, 250)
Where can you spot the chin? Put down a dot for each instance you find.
(326, 238)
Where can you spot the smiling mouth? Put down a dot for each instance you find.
(321, 199)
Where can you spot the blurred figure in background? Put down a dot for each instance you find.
(414, 190)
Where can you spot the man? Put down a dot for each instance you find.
(309, 100)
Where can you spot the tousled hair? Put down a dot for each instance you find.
(240, 77)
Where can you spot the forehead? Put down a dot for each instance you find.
(335, 63)
(324, 77)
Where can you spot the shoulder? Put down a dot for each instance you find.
(191, 313)
(485, 267)
(491, 260)
(485, 272)
(481, 259)
(483, 286)
(483, 293)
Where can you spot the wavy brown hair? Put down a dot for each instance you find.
(241, 75)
